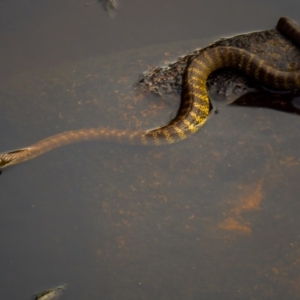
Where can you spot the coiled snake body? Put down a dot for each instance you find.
(195, 105)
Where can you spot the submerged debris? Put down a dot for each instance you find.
(51, 294)
(109, 5)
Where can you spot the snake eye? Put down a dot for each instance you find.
(2, 162)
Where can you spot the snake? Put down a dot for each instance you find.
(195, 105)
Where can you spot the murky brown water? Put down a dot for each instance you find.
(213, 217)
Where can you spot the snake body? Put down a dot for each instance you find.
(195, 105)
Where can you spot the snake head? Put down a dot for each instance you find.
(10, 158)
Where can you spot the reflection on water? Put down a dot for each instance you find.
(213, 217)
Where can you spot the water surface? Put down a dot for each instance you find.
(213, 217)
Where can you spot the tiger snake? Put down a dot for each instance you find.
(195, 106)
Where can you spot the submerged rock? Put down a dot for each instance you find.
(270, 45)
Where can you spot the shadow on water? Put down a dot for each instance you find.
(213, 217)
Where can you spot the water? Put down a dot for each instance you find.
(213, 217)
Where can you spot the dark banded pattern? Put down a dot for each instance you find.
(195, 105)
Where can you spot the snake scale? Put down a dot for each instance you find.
(195, 105)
